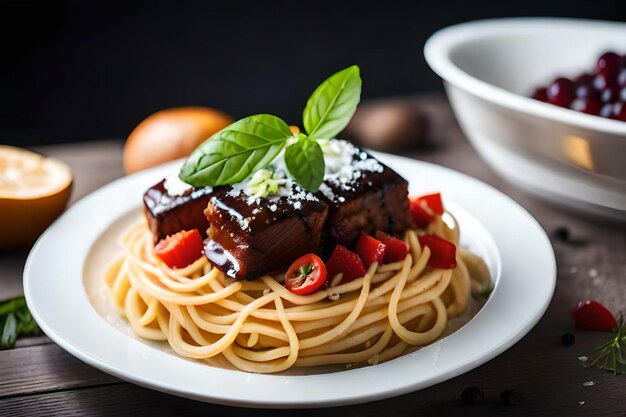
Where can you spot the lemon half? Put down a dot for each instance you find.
(34, 191)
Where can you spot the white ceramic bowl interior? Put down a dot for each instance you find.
(491, 67)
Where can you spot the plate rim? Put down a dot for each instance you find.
(60, 337)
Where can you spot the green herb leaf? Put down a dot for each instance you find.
(612, 354)
(236, 151)
(15, 321)
(331, 106)
(12, 305)
(8, 336)
(305, 162)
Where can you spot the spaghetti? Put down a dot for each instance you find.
(259, 326)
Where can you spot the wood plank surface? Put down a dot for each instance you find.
(39, 378)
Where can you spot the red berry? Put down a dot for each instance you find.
(584, 78)
(621, 78)
(619, 111)
(587, 105)
(606, 110)
(561, 92)
(609, 95)
(609, 64)
(591, 315)
(586, 90)
(540, 94)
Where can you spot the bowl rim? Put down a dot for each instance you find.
(437, 53)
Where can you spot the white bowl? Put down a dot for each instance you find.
(490, 67)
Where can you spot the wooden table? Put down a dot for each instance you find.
(39, 378)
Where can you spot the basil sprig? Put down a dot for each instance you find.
(15, 321)
(236, 151)
(331, 106)
(252, 143)
(305, 162)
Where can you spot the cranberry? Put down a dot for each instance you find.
(621, 78)
(619, 111)
(606, 110)
(601, 92)
(586, 105)
(609, 64)
(560, 92)
(540, 94)
(584, 78)
(602, 81)
(609, 95)
(586, 90)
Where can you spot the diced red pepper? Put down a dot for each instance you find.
(180, 249)
(442, 252)
(306, 275)
(421, 217)
(424, 208)
(396, 250)
(370, 250)
(347, 262)
(591, 315)
(433, 202)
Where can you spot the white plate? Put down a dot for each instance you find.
(515, 247)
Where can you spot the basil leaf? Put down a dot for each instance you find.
(26, 325)
(331, 106)
(8, 331)
(236, 151)
(305, 162)
(12, 304)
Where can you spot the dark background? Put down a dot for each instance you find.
(74, 71)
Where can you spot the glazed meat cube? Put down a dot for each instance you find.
(168, 214)
(367, 198)
(248, 239)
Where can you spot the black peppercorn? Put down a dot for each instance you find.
(561, 233)
(472, 395)
(568, 339)
(511, 397)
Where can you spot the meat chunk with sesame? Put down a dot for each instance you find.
(168, 214)
(251, 237)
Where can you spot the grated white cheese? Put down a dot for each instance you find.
(175, 186)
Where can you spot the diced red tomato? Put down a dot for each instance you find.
(424, 208)
(347, 262)
(370, 250)
(421, 216)
(306, 275)
(433, 202)
(591, 315)
(442, 252)
(396, 250)
(180, 249)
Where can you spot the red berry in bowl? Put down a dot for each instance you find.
(561, 92)
(584, 78)
(621, 78)
(606, 110)
(587, 105)
(599, 93)
(540, 94)
(619, 111)
(586, 90)
(609, 64)
(609, 95)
